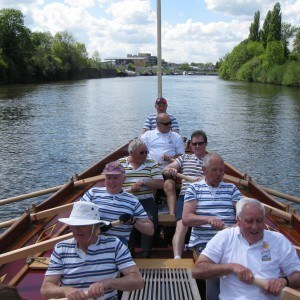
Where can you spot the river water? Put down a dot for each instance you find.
(49, 132)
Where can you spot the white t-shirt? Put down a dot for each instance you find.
(158, 144)
(272, 257)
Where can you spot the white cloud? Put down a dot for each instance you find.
(119, 27)
(80, 3)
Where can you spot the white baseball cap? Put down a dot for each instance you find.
(83, 213)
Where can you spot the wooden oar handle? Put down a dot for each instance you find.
(116, 223)
(86, 294)
(187, 178)
(259, 282)
(286, 293)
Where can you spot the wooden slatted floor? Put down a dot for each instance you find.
(165, 279)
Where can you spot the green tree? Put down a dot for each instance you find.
(44, 64)
(274, 33)
(265, 30)
(274, 54)
(14, 36)
(96, 60)
(71, 55)
(15, 43)
(296, 45)
(254, 28)
(3, 64)
(287, 32)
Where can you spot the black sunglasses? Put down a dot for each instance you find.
(198, 143)
(166, 123)
(144, 152)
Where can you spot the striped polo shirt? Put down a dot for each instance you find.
(150, 122)
(112, 206)
(191, 166)
(104, 259)
(147, 171)
(217, 202)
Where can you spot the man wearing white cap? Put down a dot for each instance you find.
(88, 265)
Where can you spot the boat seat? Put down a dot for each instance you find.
(165, 279)
(166, 220)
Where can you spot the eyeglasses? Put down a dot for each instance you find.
(144, 152)
(198, 143)
(166, 123)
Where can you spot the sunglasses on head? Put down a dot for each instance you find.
(165, 123)
(198, 143)
(144, 152)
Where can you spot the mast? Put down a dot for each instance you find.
(159, 75)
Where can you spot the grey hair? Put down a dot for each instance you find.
(135, 144)
(208, 157)
(240, 206)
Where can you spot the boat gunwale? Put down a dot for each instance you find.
(69, 193)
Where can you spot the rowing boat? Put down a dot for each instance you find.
(26, 245)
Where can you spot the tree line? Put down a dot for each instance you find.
(27, 56)
(265, 55)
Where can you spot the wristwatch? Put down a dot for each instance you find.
(287, 280)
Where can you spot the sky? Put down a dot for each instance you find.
(192, 30)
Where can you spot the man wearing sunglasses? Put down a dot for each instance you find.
(161, 107)
(143, 177)
(163, 145)
(189, 165)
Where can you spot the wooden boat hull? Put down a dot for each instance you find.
(27, 232)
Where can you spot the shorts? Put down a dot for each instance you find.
(197, 249)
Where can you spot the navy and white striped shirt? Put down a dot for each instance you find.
(191, 166)
(112, 206)
(217, 202)
(104, 259)
(150, 122)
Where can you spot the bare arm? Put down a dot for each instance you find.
(205, 268)
(171, 169)
(294, 280)
(144, 130)
(190, 218)
(144, 226)
(167, 157)
(154, 184)
(51, 289)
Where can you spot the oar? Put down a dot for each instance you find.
(245, 183)
(269, 191)
(39, 247)
(269, 209)
(286, 293)
(86, 294)
(41, 215)
(50, 190)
